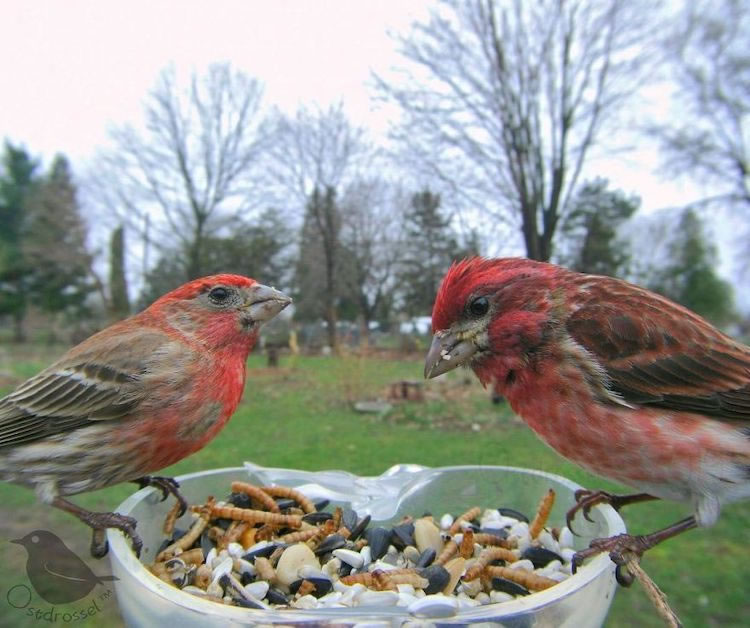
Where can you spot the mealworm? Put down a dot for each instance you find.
(466, 549)
(202, 576)
(542, 514)
(171, 518)
(412, 578)
(193, 556)
(298, 537)
(470, 514)
(450, 550)
(305, 587)
(528, 579)
(323, 531)
(486, 557)
(256, 516)
(256, 493)
(187, 539)
(371, 579)
(493, 540)
(290, 493)
(265, 569)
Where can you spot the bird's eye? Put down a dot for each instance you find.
(219, 295)
(479, 306)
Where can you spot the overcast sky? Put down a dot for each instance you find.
(71, 69)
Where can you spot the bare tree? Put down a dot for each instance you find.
(372, 222)
(710, 54)
(186, 174)
(503, 100)
(313, 156)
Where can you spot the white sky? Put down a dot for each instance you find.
(71, 69)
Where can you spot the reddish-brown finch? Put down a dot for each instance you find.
(135, 397)
(616, 378)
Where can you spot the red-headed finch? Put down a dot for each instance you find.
(135, 397)
(620, 380)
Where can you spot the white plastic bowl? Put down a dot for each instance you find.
(580, 601)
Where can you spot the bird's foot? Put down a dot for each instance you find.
(100, 521)
(167, 486)
(618, 547)
(587, 499)
(624, 547)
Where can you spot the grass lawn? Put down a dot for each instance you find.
(300, 415)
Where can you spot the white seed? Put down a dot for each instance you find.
(500, 596)
(215, 589)
(355, 559)
(210, 556)
(567, 554)
(306, 601)
(366, 552)
(377, 598)
(446, 521)
(257, 589)
(436, 605)
(245, 566)
(331, 568)
(524, 563)
(331, 599)
(548, 541)
(222, 569)
(566, 537)
(464, 601)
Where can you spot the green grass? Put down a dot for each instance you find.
(301, 416)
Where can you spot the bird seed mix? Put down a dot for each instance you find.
(272, 547)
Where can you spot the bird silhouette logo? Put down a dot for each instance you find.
(57, 574)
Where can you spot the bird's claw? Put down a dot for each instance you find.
(585, 500)
(100, 521)
(618, 547)
(167, 486)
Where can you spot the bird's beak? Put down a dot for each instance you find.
(446, 353)
(263, 303)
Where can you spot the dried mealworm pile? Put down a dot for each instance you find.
(272, 547)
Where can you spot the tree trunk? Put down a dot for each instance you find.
(19, 333)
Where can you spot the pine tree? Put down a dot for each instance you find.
(430, 246)
(690, 277)
(590, 232)
(54, 244)
(17, 180)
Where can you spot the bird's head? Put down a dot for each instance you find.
(220, 309)
(489, 314)
(42, 539)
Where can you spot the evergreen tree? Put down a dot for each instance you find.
(18, 178)
(255, 250)
(54, 244)
(690, 277)
(430, 247)
(590, 230)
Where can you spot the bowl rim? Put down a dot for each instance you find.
(121, 551)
